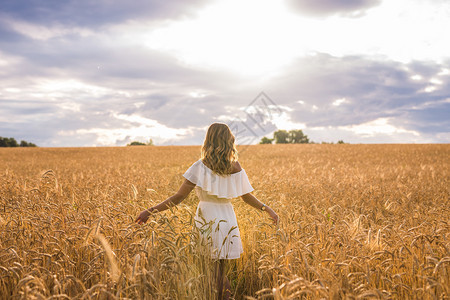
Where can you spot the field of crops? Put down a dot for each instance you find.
(357, 221)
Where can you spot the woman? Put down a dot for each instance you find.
(218, 178)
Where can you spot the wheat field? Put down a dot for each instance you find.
(357, 222)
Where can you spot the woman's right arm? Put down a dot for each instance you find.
(253, 201)
(173, 200)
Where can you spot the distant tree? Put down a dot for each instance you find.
(136, 143)
(281, 137)
(266, 140)
(11, 142)
(297, 137)
(26, 144)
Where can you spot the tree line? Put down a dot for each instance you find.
(137, 143)
(11, 142)
(290, 137)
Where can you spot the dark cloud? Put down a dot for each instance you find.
(321, 8)
(93, 60)
(368, 90)
(7, 35)
(426, 69)
(432, 120)
(87, 13)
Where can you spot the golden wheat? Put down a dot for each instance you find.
(357, 222)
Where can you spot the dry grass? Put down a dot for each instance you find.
(358, 222)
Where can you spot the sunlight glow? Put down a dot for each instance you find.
(12, 90)
(61, 87)
(429, 89)
(248, 37)
(338, 102)
(435, 81)
(70, 106)
(139, 104)
(197, 94)
(284, 121)
(444, 72)
(251, 37)
(139, 128)
(378, 126)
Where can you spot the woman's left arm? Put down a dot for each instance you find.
(173, 200)
(253, 201)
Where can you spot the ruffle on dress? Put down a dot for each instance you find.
(229, 186)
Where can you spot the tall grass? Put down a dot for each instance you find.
(357, 222)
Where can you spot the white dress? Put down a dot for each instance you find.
(215, 217)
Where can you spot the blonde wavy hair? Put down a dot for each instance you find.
(219, 151)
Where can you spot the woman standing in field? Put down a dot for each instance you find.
(218, 178)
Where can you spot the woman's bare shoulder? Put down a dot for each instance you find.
(236, 167)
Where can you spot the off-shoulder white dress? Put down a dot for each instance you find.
(215, 217)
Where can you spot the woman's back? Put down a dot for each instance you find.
(218, 188)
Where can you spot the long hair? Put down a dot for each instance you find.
(219, 151)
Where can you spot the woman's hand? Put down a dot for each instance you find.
(273, 215)
(143, 217)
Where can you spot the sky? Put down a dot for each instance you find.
(79, 73)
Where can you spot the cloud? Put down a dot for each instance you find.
(84, 82)
(92, 14)
(70, 95)
(430, 118)
(133, 128)
(321, 8)
(359, 92)
(378, 131)
(371, 88)
(43, 32)
(378, 126)
(357, 99)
